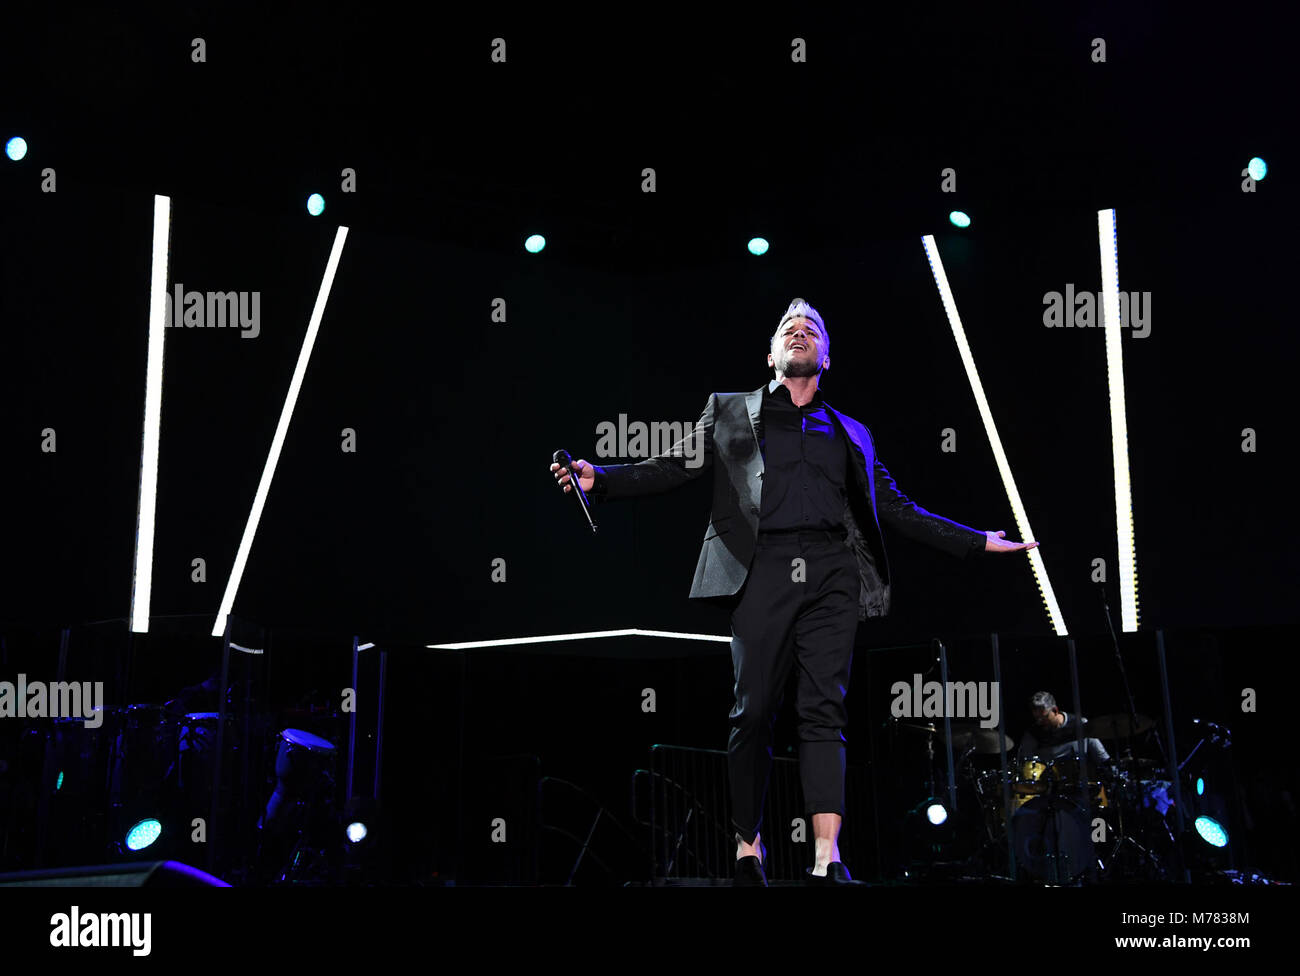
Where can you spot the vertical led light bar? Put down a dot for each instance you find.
(1108, 242)
(142, 578)
(277, 442)
(1004, 468)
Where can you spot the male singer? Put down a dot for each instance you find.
(794, 550)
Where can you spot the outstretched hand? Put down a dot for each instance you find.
(998, 542)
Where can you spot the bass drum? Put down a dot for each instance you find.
(1052, 838)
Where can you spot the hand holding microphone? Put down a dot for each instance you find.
(563, 468)
(586, 474)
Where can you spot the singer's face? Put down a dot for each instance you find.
(798, 348)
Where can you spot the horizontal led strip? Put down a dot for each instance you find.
(282, 428)
(990, 428)
(589, 635)
(1108, 243)
(142, 580)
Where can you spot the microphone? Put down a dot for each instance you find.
(564, 460)
(1218, 734)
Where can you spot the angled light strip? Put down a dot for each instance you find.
(142, 579)
(1004, 468)
(1108, 242)
(277, 442)
(248, 650)
(589, 635)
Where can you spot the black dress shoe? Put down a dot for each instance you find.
(836, 874)
(749, 873)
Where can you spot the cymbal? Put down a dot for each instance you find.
(985, 741)
(928, 727)
(1135, 763)
(1119, 726)
(964, 734)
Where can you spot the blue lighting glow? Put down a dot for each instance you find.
(1211, 832)
(315, 204)
(959, 219)
(58, 784)
(1200, 786)
(143, 834)
(936, 814)
(757, 246)
(1257, 169)
(356, 832)
(16, 148)
(534, 244)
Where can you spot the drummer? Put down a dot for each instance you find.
(1053, 733)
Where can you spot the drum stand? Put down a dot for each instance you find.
(1127, 795)
(1057, 804)
(1145, 857)
(1049, 819)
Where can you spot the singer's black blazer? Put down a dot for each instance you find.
(728, 432)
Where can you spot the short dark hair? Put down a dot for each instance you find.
(1042, 699)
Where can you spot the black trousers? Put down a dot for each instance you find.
(791, 615)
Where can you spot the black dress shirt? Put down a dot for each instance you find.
(805, 461)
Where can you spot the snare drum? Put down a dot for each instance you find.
(1034, 777)
(302, 758)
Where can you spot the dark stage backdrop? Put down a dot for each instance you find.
(456, 417)
(641, 305)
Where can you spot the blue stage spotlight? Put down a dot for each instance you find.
(1211, 831)
(16, 148)
(959, 219)
(58, 784)
(1200, 786)
(758, 246)
(143, 834)
(1257, 169)
(315, 204)
(936, 813)
(534, 244)
(357, 832)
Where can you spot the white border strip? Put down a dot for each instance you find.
(1004, 468)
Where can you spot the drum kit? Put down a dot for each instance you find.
(1068, 822)
(164, 759)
